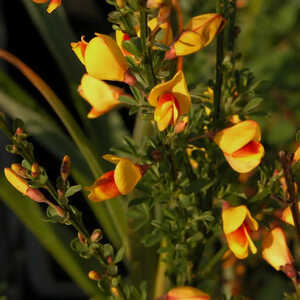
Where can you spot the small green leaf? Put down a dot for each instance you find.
(26, 164)
(127, 100)
(120, 255)
(252, 105)
(73, 190)
(133, 46)
(161, 46)
(108, 250)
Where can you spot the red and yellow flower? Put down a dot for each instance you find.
(120, 181)
(187, 293)
(171, 99)
(103, 59)
(237, 225)
(102, 96)
(241, 145)
(276, 252)
(198, 33)
(53, 4)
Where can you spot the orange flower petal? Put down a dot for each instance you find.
(238, 242)
(187, 293)
(244, 164)
(104, 188)
(79, 49)
(53, 5)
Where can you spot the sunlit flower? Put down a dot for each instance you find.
(171, 99)
(155, 3)
(237, 225)
(53, 4)
(287, 215)
(186, 293)
(103, 59)
(276, 252)
(120, 181)
(198, 33)
(241, 145)
(102, 96)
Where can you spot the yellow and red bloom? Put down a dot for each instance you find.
(241, 145)
(187, 293)
(198, 33)
(237, 225)
(21, 185)
(171, 99)
(102, 96)
(120, 181)
(276, 252)
(53, 4)
(103, 59)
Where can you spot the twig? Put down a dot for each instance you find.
(286, 162)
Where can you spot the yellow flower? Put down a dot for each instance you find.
(275, 250)
(198, 33)
(120, 37)
(155, 3)
(287, 215)
(187, 293)
(237, 224)
(103, 59)
(53, 4)
(166, 35)
(241, 145)
(102, 96)
(171, 99)
(120, 181)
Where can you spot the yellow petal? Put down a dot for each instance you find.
(247, 163)
(127, 175)
(275, 250)
(16, 181)
(187, 43)
(99, 94)
(235, 137)
(187, 293)
(296, 155)
(287, 215)
(233, 217)
(79, 49)
(112, 158)
(251, 245)
(177, 86)
(53, 5)
(104, 59)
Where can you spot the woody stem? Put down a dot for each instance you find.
(219, 66)
(286, 162)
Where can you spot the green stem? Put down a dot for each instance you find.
(213, 261)
(219, 67)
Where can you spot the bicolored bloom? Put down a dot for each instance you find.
(171, 99)
(120, 181)
(21, 185)
(102, 96)
(187, 293)
(53, 4)
(198, 33)
(237, 225)
(241, 145)
(103, 59)
(276, 252)
(287, 215)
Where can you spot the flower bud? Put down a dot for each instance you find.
(115, 291)
(81, 238)
(16, 181)
(53, 4)
(35, 170)
(65, 167)
(181, 125)
(19, 170)
(94, 275)
(96, 235)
